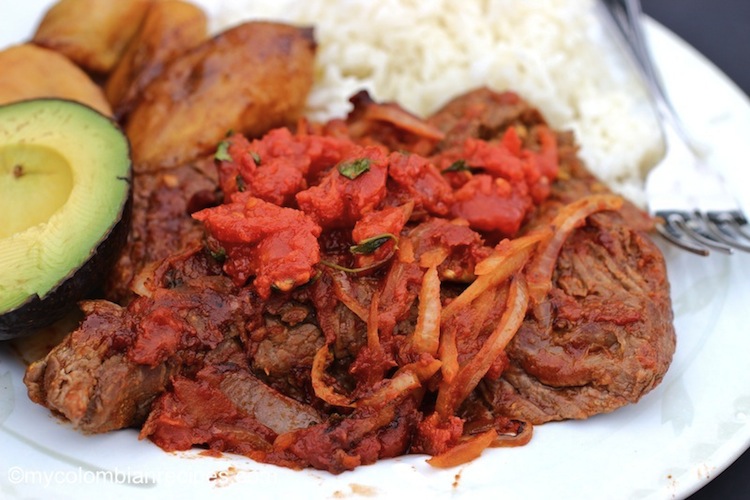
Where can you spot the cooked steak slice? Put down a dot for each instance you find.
(105, 375)
(268, 406)
(609, 339)
(161, 224)
(227, 408)
(484, 114)
(95, 390)
(609, 336)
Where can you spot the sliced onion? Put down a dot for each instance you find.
(142, 283)
(403, 120)
(322, 390)
(150, 278)
(342, 290)
(448, 354)
(373, 339)
(424, 368)
(571, 216)
(513, 440)
(496, 260)
(452, 393)
(434, 257)
(405, 252)
(465, 451)
(402, 383)
(426, 337)
(509, 256)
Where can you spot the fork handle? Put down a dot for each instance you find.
(627, 16)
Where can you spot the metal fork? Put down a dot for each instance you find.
(696, 228)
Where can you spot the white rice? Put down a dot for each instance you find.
(421, 53)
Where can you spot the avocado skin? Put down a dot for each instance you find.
(36, 313)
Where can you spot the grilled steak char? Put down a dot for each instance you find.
(197, 359)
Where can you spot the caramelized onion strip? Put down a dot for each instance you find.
(403, 120)
(508, 258)
(452, 394)
(322, 389)
(343, 292)
(448, 354)
(373, 339)
(394, 388)
(512, 440)
(571, 216)
(426, 337)
(424, 368)
(465, 451)
(408, 378)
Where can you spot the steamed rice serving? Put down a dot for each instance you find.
(555, 53)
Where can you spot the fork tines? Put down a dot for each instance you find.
(701, 232)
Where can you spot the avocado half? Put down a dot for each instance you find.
(65, 198)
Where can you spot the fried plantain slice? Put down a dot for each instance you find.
(91, 33)
(248, 79)
(170, 28)
(29, 78)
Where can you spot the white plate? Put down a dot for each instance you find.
(676, 439)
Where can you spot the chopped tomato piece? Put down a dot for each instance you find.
(355, 187)
(277, 166)
(493, 204)
(278, 246)
(416, 178)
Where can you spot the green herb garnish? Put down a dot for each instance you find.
(219, 255)
(369, 245)
(354, 168)
(458, 166)
(222, 152)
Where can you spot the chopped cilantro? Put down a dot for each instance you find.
(369, 245)
(458, 166)
(354, 168)
(222, 152)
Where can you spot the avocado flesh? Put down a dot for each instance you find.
(35, 181)
(65, 175)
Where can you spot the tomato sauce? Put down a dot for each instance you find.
(285, 190)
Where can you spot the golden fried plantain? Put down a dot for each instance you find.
(27, 76)
(249, 79)
(169, 29)
(91, 33)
